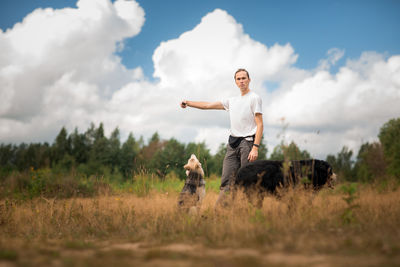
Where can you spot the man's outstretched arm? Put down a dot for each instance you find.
(202, 105)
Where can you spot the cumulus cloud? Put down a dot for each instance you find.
(61, 69)
(214, 49)
(199, 65)
(346, 108)
(323, 111)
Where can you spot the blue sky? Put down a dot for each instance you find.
(327, 71)
(312, 27)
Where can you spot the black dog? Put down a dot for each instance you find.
(266, 176)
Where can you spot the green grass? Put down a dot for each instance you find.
(49, 184)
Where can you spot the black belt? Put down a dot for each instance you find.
(235, 141)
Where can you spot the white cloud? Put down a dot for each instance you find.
(199, 65)
(334, 55)
(60, 66)
(212, 51)
(349, 106)
(60, 69)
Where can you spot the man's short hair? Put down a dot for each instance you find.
(239, 70)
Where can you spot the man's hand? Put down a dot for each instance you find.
(184, 104)
(253, 155)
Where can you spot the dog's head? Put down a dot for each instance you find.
(193, 165)
(331, 181)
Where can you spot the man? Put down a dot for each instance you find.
(245, 112)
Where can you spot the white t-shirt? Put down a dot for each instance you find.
(242, 110)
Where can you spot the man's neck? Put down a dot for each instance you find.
(244, 92)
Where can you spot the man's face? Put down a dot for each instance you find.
(242, 81)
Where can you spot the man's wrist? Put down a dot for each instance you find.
(256, 145)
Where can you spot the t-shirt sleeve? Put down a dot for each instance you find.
(225, 103)
(257, 105)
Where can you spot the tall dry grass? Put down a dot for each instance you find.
(300, 221)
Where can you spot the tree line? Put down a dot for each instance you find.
(93, 153)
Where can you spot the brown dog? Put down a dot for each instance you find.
(194, 190)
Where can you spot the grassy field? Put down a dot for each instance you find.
(139, 224)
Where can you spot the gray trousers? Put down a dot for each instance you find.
(234, 159)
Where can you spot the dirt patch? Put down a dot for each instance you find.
(142, 254)
(198, 255)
